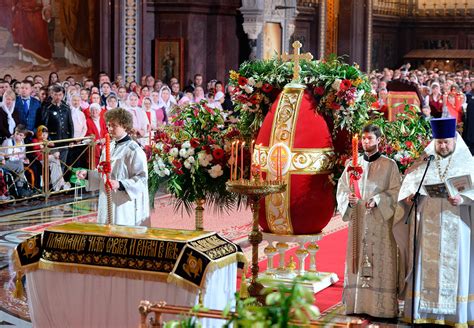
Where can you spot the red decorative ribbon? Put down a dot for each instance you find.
(105, 168)
(355, 175)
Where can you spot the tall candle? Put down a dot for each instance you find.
(355, 150)
(242, 161)
(252, 144)
(259, 163)
(232, 160)
(107, 148)
(236, 158)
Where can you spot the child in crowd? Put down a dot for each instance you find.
(56, 172)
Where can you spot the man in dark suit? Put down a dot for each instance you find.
(28, 107)
(56, 116)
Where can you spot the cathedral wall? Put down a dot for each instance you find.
(210, 33)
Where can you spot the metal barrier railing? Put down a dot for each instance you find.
(35, 178)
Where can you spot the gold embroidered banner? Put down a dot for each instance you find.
(179, 256)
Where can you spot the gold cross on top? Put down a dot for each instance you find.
(296, 59)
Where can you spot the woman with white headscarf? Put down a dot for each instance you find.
(141, 126)
(9, 117)
(166, 100)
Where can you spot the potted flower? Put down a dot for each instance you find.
(190, 158)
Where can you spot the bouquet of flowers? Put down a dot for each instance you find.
(342, 92)
(190, 157)
(405, 138)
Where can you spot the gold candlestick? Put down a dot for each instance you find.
(255, 190)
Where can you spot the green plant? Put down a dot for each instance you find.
(285, 306)
(405, 138)
(190, 158)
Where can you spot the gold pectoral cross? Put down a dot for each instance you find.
(296, 59)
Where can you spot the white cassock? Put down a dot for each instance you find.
(444, 288)
(129, 166)
(380, 181)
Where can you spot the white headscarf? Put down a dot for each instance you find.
(9, 112)
(166, 104)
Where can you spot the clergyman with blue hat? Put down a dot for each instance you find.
(444, 286)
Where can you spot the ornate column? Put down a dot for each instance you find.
(253, 10)
(257, 12)
(368, 59)
(322, 28)
(130, 39)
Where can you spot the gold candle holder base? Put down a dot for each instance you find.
(255, 190)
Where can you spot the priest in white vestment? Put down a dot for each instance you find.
(370, 284)
(129, 174)
(444, 287)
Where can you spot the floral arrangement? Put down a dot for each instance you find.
(342, 92)
(405, 138)
(190, 157)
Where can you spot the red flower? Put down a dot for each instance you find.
(194, 142)
(196, 112)
(345, 84)
(409, 144)
(267, 87)
(179, 171)
(207, 149)
(319, 90)
(388, 150)
(177, 164)
(166, 149)
(210, 140)
(218, 153)
(209, 110)
(375, 104)
(406, 160)
(254, 99)
(335, 106)
(242, 80)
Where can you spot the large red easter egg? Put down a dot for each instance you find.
(297, 139)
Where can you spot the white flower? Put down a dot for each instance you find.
(215, 171)
(359, 95)
(258, 84)
(174, 152)
(336, 85)
(156, 167)
(187, 164)
(398, 157)
(203, 159)
(183, 152)
(248, 89)
(186, 144)
(191, 160)
(191, 152)
(251, 81)
(166, 172)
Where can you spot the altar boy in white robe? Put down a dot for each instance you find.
(370, 284)
(444, 279)
(129, 174)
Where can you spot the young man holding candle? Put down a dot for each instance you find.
(128, 177)
(366, 196)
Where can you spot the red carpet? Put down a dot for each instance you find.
(330, 258)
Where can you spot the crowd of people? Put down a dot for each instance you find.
(70, 109)
(442, 94)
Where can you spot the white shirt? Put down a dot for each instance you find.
(79, 122)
